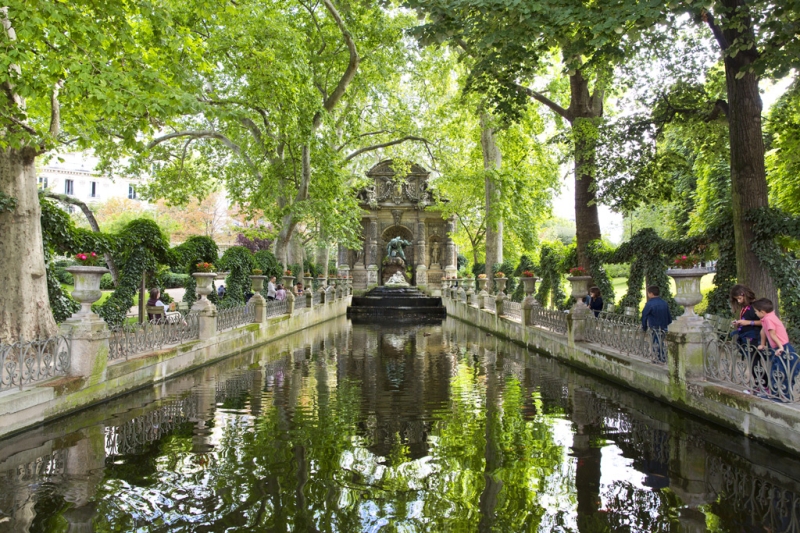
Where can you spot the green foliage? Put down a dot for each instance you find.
(508, 269)
(461, 262)
(142, 247)
(171, 280)
(478, 268)
(622, 270)
(525, 263)
(184, 257)
(550, 269)
(268, 263)
(594, 252)
(106, 282)
(61, 303)
(63, 276)
(239, 262)
(308, 266)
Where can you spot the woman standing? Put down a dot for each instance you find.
(747, 327)
(595, 301)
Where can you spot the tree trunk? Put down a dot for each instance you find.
(323, 253)
(492, 160)
(24, 305)
(584, 108)
(748, 175)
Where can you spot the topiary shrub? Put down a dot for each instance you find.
(63, 276)
(268, 263)
(196, 249)
(238, 261)
(107, 283)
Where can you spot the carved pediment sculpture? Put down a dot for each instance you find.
(390, 189)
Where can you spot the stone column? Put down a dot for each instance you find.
(343, 261)
(309, 295)
(685, 342)
(450, 259)
(290, 303)
(576, 324)
(373, 257)
(499, 303)
(206, 317)
(84, 463)
(90, 348)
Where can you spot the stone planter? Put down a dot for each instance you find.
(308, 284)
(687, 288)
(530, 285)
(500, 284)
(482, 284)
(580, 288)
(323, 282)
(87, 289)
(258, 283)
(445, 283)
(204, 280)
(630, 311)
(288, 283)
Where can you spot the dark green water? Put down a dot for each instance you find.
(394, 428)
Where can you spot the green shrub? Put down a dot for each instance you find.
(622, 270)
(63, 276)
(107, 283)
(171, 280)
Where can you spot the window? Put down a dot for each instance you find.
(93, 192)
(131, 192)
(69, 187)
(42, 182)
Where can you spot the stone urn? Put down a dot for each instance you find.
(87, 289)
(258, 283)
(580, 288)
(530, 284)
(323, 282)
(288, 282)
(482, 285)
(204, 280)
(309, 283)
(687, 288)
(500, 285)
(445, 283)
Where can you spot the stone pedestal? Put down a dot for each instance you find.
(372, 276)
(576, 323)
(359, 277)
(89, 347)
(499, 303)
(309, 296)
(259, 307)
(685, 339)
(290, 298)
(422, 276)
(205, 309)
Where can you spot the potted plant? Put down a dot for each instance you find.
(204, 275)
(288, 280)
(87, 274)
(529, 279)
(579, 278)
(684, 271)
(482, 284)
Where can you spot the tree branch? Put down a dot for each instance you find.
(71, 200)
(55, 110)
(350, 71)
(539, 97)
(708, 18)
(384, 145)
(208, 134)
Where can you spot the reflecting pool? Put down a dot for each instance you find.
(406, 428)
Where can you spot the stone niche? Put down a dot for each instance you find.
(394, 204)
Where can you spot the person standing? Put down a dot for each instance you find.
(784, 367)
(280, 293)
(595, 301)
(271, 288)
(656, 317)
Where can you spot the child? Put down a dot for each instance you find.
(784, 367)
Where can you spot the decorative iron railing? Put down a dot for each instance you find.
(490, 304)
(549, 318)
(759, 372)
(277, 307)
(134, 338)
(26, 362)
(772, 507)
(235, 316)
(616, 317)
(722, 326)
(300, 301)
(133, 435)
(42, 468)
(512, 310)
(317, 298)
(628, 339)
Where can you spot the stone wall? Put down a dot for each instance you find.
(55, 398)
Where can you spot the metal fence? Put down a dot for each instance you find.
(616, 317)
(759, 372)
(277, 307)
(131, 339)
(317, 298)
(27, 362)
(235, 316)
(628, 339)
(549, 318)
(512, 310)
(134, 435)
(300, 301)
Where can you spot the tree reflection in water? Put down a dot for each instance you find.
(405, 429)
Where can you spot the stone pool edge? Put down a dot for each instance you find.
(50, 400)
(769, 422)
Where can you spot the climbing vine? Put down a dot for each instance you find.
(550, 269)
(184, 258)
(7, 203)
(238, 261)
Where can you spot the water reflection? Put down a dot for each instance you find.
(367, 428)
